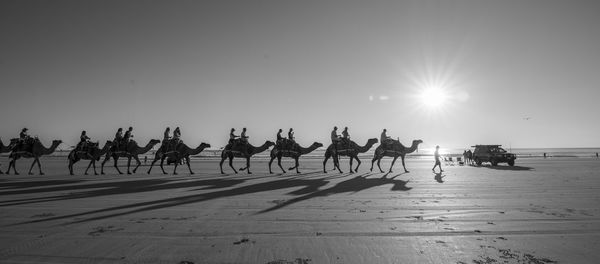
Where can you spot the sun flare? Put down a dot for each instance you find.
(433, 97)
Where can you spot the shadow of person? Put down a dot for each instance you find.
(438, 177)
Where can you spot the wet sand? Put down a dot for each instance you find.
(540, 211)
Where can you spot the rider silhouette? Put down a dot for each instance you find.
(335, 139)
(385, 140)
(346, 136)
(232, 136)
(23, 138)
(83, 140)
(118, 138)
(128, 136)
(279, 138)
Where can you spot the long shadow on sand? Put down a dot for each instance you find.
(81, 191)
(310, 187)
(356, 184)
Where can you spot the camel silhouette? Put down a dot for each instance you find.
(35, 152)
(395, 150)
(132, 150)
(293, 151)
(181, 151)
(93, 153)
(240, 151)
(351, 150)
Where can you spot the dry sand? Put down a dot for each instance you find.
(540, 211)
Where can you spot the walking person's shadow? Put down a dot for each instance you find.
(438, 177)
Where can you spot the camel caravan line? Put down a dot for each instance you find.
(175, 152)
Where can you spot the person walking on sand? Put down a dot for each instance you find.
(436, 154)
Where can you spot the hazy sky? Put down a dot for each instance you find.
(519, 73)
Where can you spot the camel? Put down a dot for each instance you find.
(395, 150)
(93, 154)
(237, 150)
(181, 151)
(132, 151)
(351, 151)
(37, 150)
(294, 152)
(8, 148)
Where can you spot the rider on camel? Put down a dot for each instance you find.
(291, 137)
(335, 139)
(346, 136)
(83, 140)
(232, 136)
(280, 139)
(176, 136)
(385, 140)
(166, 137)
(118, 138)
(23, 138)
(128, 136)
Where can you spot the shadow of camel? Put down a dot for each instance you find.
(354, 185)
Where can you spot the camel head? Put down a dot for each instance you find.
(269, 143)
(154, 141)
(317, 144)
(204, 145)
(372, 141)
(56, 142)
(417, 142)
(108, 144)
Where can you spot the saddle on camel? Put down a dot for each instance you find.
(286, 145)
(24, 145)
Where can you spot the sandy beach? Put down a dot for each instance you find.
(539, 211)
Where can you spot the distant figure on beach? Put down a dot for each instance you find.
(83, 140)
(544, 155)
(437, 159)
(118, 138)
(145, 160)
(596, 154)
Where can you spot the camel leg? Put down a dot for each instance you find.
(128, 165)
(162, 162)
(404, 165)
(279, 163)
(152, 163)
(115, 158)
(357, 165)
(231, 164)
(351, 159)
(336, 163)
(270, 162)
(177, 162)
(106, 158)
(71, 167)
(325, 162)
(39, 166)
(12, 164)
(373, 161)
(379, 164)
(187, 161)
(88, 167)
(221, 164)
(138, 162)
(393, 161)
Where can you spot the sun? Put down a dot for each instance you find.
(433, 97)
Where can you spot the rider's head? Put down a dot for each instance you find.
(168, 128)
(24, 129)
(437, 147)
(83, 132)
(244, 129)
(120, 129)
(384, 130)
(291, 129)
(345, 128)
(232, 129)
(280, 130)
(335, 128)
(130, 128)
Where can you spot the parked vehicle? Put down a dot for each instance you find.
(493, 154)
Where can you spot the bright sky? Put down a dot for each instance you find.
(519, 73)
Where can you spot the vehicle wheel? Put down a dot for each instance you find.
(477, 161)
(494, 162)
(511, 162)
